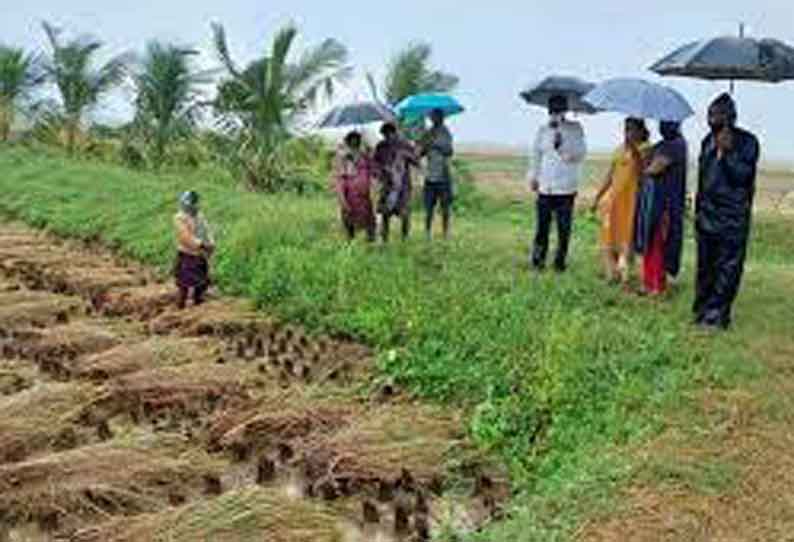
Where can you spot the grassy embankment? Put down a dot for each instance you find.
(560, 374)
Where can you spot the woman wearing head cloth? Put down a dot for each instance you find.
(194, 245)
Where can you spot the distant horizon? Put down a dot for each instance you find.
(496, 48)
(518, 150)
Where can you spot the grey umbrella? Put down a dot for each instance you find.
(731, 58)
(572, 88)
(356, 115)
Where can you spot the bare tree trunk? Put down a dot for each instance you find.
(6, 120)
(71, 135)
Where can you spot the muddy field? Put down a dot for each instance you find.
(123, 419)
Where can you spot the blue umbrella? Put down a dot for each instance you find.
(421, 105)
(640, 98)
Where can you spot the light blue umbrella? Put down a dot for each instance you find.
(640, 98)
(420, 105)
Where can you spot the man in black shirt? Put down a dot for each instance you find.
(726, 188)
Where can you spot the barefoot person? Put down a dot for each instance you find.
(195, 245)
(353, 172)
(617, 200)
(726, 189)
(394, 158)
(437, 146)
(559, 152)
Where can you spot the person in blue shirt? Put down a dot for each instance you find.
(726, 189)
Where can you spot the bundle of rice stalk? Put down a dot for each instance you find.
(247, 515)
(283, 416)
(47, 415)
(39, 313)
(150, 354)
(67, 489)
(388, 441)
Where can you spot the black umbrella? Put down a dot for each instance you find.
(356, 115)
(572, 88)
(731, 58)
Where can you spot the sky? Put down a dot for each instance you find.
(496, 47)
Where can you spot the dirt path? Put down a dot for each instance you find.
(122, 419)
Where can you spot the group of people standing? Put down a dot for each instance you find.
(357, 170)
(642, 203)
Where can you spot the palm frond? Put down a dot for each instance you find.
(168, 97)
(373, 88)
(222, 49)
(53, 33)
(20, 73)
(409, 73)
(441, 82)
(330, 57)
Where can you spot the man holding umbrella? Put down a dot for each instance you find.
(726, 188)
(437, 147)
(559, 151)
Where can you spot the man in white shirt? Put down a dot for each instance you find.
(558, 154)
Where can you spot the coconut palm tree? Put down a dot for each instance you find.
(19, 75)
(263, 101)
(409, 72)
(168, 94)
(269, 94)
(71, 68)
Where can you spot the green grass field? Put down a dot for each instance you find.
(560, 374)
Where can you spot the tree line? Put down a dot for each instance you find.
(252, 108)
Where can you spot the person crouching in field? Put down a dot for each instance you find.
(195, 246)
(353, 172)
(394, 158)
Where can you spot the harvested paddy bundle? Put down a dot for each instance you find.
(46, 416)
(124, 477)
(247, 515)
(149, 354)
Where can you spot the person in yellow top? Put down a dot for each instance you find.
(195, 245)
(616, 201)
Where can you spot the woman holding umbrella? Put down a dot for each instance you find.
(640, 98)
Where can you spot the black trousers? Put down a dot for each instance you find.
(675, 241)
(720, 267)
(559, 208)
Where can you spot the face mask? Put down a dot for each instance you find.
(717, 126)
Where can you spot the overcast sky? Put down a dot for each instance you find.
(496, 47)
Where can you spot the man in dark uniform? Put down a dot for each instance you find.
(726, 188)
